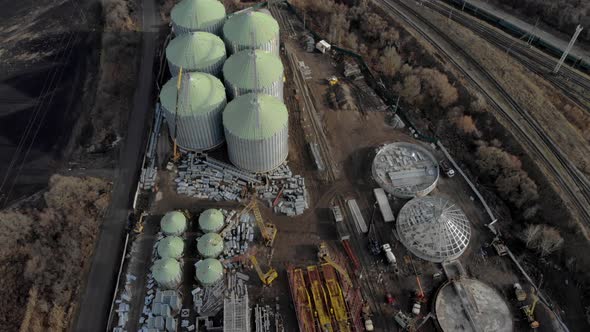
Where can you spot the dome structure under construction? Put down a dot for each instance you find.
(173, 223)
(253, 71)
(196, 51)
(210, 245)
(251, 30)
(201, 100)
(433, 228)
(198, 15)
(208, 271)
(257, 132)
(170, 247)
(211, 221)
(167, 273)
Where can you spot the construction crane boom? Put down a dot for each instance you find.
(268, 230)
(266, 278)
(324, 254)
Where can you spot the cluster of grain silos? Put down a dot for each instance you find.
(211, 221)
(173, 223)
(167, 270)
(210, 246)
(255, 123)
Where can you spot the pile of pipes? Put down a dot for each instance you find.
(208, 301)
(204, 177)
(236, 283)
(262, 318)
(286, 192)
(122, 304)
(237, 235)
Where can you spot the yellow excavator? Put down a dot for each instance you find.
(176, 153)
(529, 311)
(266, 278)
(324, 256)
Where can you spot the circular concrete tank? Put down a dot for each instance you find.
(479, 305)
(170, 247)
(405, 170)
(209, 271)
(211, 221)
(210, 245)
(173, 223)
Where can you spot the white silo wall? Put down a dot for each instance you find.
(275, 90)
(214, 29)
(258, 155)
(197, 132)
(213, 69)
(272, 46)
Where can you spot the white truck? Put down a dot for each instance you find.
(390, 256)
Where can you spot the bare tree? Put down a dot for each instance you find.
(542, 238)
(390, 62)
(530, 235)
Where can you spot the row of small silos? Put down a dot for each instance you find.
(209, 270)
(254, 68)
(167, 270)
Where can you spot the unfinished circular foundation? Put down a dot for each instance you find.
(405, 170)
(466, 305)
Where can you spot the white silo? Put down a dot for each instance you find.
(251, 30)
(208, 271)
(210, 245)
(196, 51)
(253, 71)
(167, 273)
(198, 15)
(257, 132)
(201, 100)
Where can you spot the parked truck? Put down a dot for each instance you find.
(446, 168)
(390, 257)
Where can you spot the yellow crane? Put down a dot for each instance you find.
(266, 278)
(268, 230)
(529, 311)
(324, 256)
(176, 153)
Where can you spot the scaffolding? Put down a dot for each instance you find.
(236, 313)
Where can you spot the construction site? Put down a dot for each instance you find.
(282, 191)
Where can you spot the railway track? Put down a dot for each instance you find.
(573, 84)
(574, 184)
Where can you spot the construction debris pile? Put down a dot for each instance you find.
(204, 177)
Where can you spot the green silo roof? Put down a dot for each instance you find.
(250, 28)
(239, 68)
(211, 220)
(198, 14)
(209, 270)
(166, 270)
(255, 116)
(170, 247)
(210, 245)
(199, 93)
(198, 49)
(173, 222)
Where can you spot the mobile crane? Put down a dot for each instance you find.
(529, 311)
(266, 278)
(324, 256)
(268, 230)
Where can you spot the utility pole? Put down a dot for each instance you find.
(568, 49)
(532, 33)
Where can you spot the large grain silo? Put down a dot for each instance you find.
(196, 51)
(201, 100)
(251, 30)
(167, 273)
(257, 132)
(253, 71)
(210, 245)
(209, 271)
(170, 247)
(211, 221)
(173, 223)
(433, 228)
(198, 15)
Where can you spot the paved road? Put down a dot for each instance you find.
(97, 297)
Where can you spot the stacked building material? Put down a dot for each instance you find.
(237, 238)
(122, 303)
(208, 301)
(287, 193)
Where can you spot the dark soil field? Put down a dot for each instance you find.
(48, 56)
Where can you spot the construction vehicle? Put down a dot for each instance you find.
(266, 278)
(519, 292)
(138, 229)
(499, 247)
(420, 296)
(366, 313)
(447, 169)
(374, 246)
(268, 230)
(529, 312)
(324, 256)
(389, 255)
(176, 153)
(333, 81)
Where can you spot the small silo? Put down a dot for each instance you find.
(208, 271)
(210, 245)
(198, 15)
(211, 221)
(167, 273)
(257, 132)
(251, 30)
(196, 51)
(170, 247)
(433, 228)
(201, 100)
(173, 223)
(253, 71)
